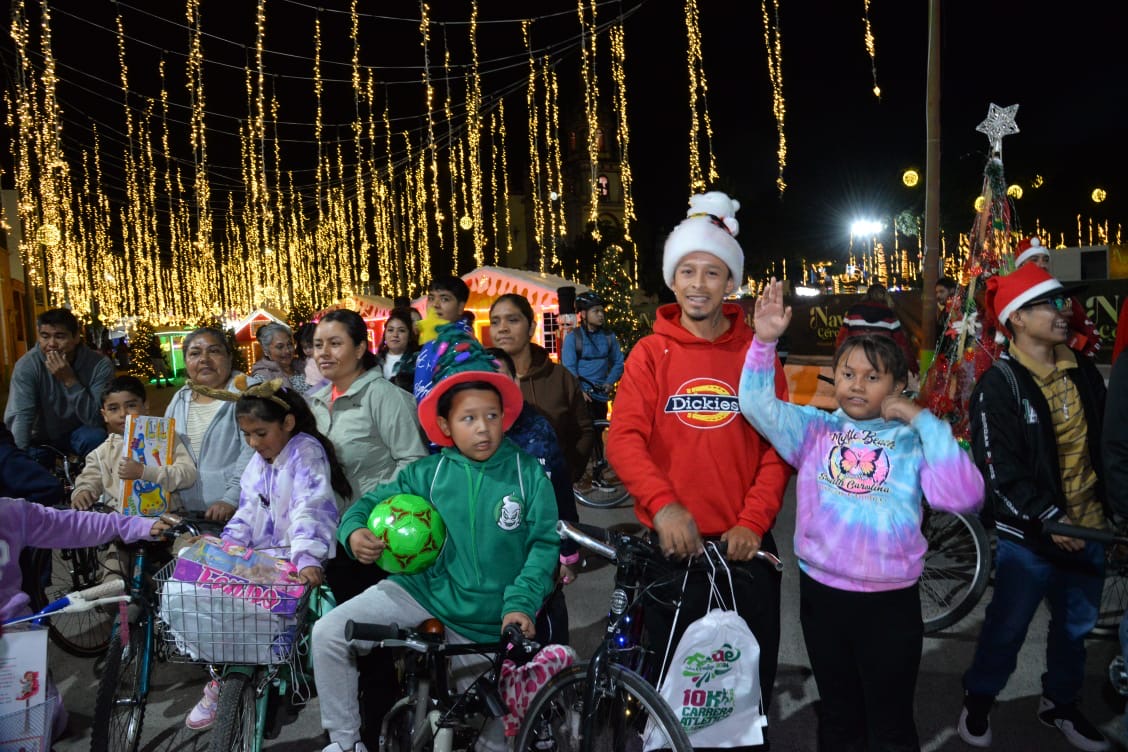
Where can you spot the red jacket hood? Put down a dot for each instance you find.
(668, 322)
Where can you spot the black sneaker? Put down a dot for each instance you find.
(975, 723)
(1077, 730)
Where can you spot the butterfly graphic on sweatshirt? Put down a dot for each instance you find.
(857, 468)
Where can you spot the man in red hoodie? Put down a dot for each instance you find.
(696, 469)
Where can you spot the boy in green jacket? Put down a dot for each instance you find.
(497, 564)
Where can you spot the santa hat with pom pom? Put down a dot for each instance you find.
(1028, 249)
(710, 226)
(1008, 293)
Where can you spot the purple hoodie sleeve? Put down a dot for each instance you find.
(313, 511)
(45, 527)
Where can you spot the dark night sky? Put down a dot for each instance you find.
(1059, 61)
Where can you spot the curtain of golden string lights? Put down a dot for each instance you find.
(166, 254)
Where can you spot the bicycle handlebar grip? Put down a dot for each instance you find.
(111, 587)
(356, 630)
(1085, 533)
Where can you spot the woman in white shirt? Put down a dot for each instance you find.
(397, 352)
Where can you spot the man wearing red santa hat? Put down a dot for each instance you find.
(1036, 435)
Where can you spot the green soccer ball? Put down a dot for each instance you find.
(412, 531)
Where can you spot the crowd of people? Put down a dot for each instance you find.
(298, 452)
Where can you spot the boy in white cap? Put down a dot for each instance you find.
(695, 467)
(1036, 434)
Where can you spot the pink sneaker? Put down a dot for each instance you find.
(203, 715)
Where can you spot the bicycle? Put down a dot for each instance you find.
(255, 644)
(606, 490)
(33, 727)
(85, 634)
(606, 703)
(123, 691)
(430, 716)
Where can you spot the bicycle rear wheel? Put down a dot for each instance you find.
(606, 490)
(957, 568)
(119, 707)
(627, 715)
(236, 717)
(85, 634)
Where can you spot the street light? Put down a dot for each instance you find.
(866, 227)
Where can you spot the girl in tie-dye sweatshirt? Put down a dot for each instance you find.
(288, 493)
(863, 471)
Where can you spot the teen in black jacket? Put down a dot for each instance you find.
(1013, 441)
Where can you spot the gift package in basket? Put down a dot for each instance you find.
(25, 710)
(225, 603)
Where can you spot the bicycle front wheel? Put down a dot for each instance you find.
(957, 568)
(626, 714)
(606, 490)
(85, 634)
(236, 717)
(119, 707)
(1114, 598)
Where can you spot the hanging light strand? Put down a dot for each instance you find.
(773, 41)
(701, 124)
(623, 136)
(871, 48)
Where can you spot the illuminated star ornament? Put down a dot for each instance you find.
(999, 123)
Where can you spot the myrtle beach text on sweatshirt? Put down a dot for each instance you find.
(859, 483)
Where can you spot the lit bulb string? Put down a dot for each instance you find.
(238, 46)
(773, 40)
(871, 48)
(496, 96)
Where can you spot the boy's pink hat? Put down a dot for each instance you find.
(460, 359)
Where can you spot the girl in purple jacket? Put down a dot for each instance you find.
(288, 496)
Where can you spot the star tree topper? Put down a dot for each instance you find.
(999, 123)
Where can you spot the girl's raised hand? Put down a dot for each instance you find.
(772, 317)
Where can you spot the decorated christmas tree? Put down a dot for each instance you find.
(615, 285)
(140, 361)
(966, 347)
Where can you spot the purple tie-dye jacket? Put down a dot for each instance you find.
(288, 503)
(24, 524)
(859, 483)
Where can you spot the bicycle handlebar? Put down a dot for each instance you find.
(110, 591)
(571, 531)
(1085, 533)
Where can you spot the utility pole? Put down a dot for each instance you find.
(931, 189)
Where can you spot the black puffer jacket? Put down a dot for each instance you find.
(1014, 445)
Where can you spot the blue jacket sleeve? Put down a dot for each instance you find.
(568, 353)
(616, 358)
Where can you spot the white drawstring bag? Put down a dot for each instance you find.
(713, 681)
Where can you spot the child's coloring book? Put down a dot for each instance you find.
(150, 441)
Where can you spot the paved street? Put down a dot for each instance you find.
(792, 718)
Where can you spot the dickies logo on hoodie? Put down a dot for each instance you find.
(704, 403)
